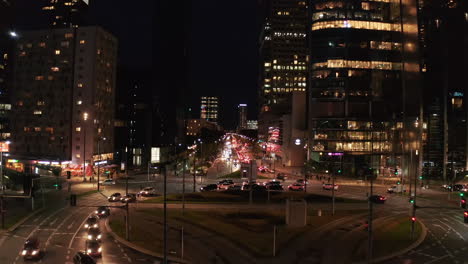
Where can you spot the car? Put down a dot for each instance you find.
(129, 198)
(209, 188)
(93, 248)
(224, 184)
(226, 181)
(272, 182)
(107, 182)
(329, 186)
(457, 187)
(377, 199)
(147, 191)
(115, 197)
(31, 249)
(302, 181)
(396, 189)
(281, 176)
(82, 258)
(255, 187)
(102, 211)
(91, 222)
(274, 187)
(465, 216)
(94, 234)
(235, 187)
(296, 187)
(249, 182)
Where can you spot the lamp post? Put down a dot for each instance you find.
(3, 148)
(99, 161)
(85, 117)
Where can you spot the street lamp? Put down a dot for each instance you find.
(13, 34)
(99, 161)
(85, 117)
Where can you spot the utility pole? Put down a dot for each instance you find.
(149, 164)
(194, 173)
(165, 213)
(333, 194)
(127, 223)
(126, 185)
(183, 210)
(369, 226)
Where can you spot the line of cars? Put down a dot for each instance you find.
(272, 185)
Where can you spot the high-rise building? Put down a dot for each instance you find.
(242, 117)
(66, 13)
(63, 97)
(7, 38)
(443, 26)
(363, 75)
(284, 65)
(209, 108)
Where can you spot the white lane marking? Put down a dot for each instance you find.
(54, 221)
(58, 227)
(70, 225)
(77, 230)
(437, 259)
(439, 226)
(455, 231)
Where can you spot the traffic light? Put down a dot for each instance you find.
(68, 175)
(339, 171)
(411, 200)
(463, 203)
(398, 182)
(413, 219)
(420, 177)
(395, 172)
(462, 194)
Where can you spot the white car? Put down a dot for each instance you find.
(148, 191)
(108, 182)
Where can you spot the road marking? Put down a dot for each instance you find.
(71, 225)
(53, 222)
(77, 230)
(437, 259)
(455, 231)
(439, 226)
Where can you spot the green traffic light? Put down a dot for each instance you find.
(420, 177)
(398, 182)
(462, 194)
(411, 201)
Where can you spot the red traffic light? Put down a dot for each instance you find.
(414, 218)
(463, 201)
(465, 214)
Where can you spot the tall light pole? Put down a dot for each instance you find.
(85, 117)
(99, 161)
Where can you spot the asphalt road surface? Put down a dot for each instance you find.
(61, 234)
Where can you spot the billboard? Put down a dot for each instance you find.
(4, 146)
(155, 155)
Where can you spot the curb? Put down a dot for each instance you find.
(418, 242)
(140, 249)
(21, 221)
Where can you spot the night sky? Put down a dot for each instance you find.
(225, 54)
(223, 47)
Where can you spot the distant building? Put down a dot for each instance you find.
(209, 108)
(242, 117)
(195, 126)
(65, 13)
(252, 124)
(63, 96)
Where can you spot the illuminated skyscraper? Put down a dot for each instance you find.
(363, 75)
(66, 13)
(7, 39)
(242, 116)
(209, 108)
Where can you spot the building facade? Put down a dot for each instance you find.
(64, 93)
(242, 108)
(209, 108)
(283, 66)
(195, 126)
(363, 72)
(65, 13)
(7, 38)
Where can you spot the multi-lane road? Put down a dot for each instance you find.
(61, 234)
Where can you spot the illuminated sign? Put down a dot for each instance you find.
(122, 166)
(155, 155)
(297, 142)
(335, 154)
(4, 147)
(12, 161)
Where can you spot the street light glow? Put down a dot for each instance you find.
(13, 34)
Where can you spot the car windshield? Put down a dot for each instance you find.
(116, 194)
(148, 188)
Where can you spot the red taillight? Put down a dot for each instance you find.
(381, 198)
